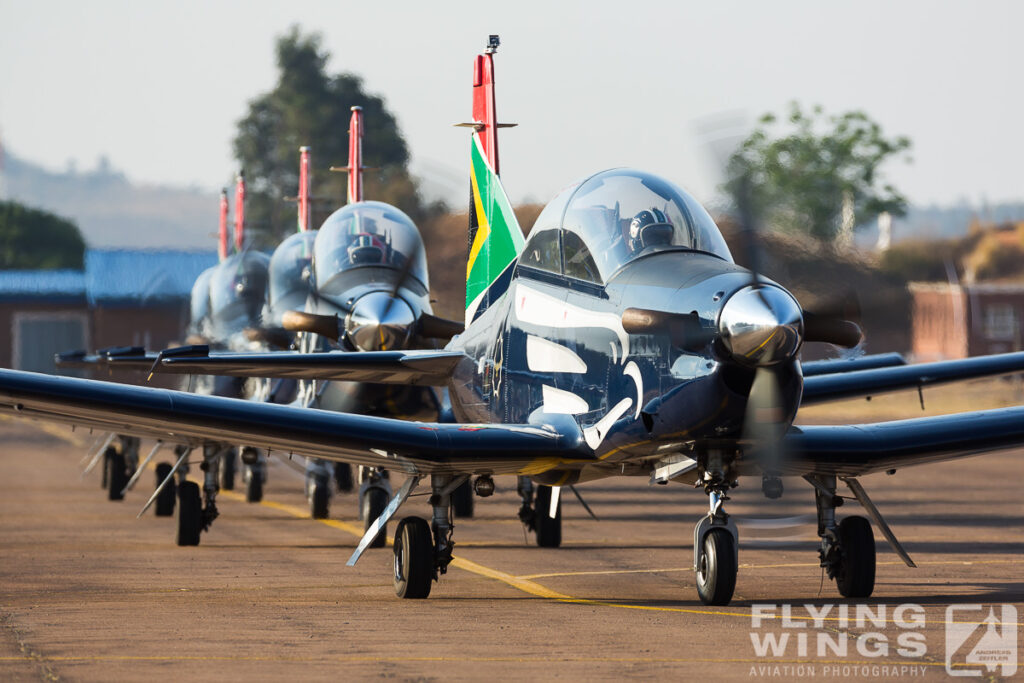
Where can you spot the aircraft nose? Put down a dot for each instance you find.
(379, 322)
(761, 325)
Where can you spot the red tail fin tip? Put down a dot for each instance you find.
(305, 218)
(240, 212)
(355, 156)
(222, 244)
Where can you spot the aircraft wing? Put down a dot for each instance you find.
(122, 357)
(827, 367)
(840, 385)
(419, 368)
(179, 417)
(852, 450)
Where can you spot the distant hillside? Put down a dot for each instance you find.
(110, 211)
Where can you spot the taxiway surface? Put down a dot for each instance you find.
(87, 592)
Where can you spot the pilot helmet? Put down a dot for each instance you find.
(648, 228)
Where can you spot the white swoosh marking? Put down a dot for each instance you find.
(538, 308)
(565, 402)
(631, 370)
(547, 356)
(595, 435)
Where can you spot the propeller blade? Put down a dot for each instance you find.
(764, 423)
(831, 330)
(434, 327)
(403, 275)
(275, 336)
(299, 321)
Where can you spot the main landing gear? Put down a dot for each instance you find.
(423, 552)
(196, 512)
(254, 474)
(847, 550)
(119, 464)
(535, 512)
(374, 494)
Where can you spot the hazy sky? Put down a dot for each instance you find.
(159, 86)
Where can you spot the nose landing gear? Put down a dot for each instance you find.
(715, 538)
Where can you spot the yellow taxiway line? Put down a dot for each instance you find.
(527, 585)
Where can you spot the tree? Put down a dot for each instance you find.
(802, 180)
(34, 239)
(310, 107)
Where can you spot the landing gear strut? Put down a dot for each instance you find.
(715, 541)
(847, 550)
(254, 474)
(196, 513)
(423, 552)
(374, 494)
(318, 487)
(535, 513)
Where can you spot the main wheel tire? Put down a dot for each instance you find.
(414, 558)
(320, 501)
(164, 506)
(254, 488)
(117, 474)
(462, 500)
(549, 531)
(190, 513)
(373, 503)
(343, 476)
(855, 575)
(228, 469)
(716, 575)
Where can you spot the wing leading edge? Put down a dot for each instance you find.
(840, 385)
(419, 368)
(852, 450)
(192, 419)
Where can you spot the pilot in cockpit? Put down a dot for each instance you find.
(650, 227)
(366, 249)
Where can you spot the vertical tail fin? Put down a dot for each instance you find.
(240, 212)
(305, 217)
(355, 156)
(222, 244)
(495, 238)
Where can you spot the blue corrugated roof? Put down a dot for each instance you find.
(114, 275)
(142, 274)
(48, 284)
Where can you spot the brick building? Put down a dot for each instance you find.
(121, 298)
(957, 321)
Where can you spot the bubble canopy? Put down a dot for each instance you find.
(290, 273)
(616, 216)
(238, 287)
(365, 235)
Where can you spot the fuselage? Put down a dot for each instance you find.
(554, 342)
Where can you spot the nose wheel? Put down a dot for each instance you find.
(716, 572)
(715, 551)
